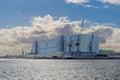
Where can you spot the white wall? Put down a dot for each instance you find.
(54, 45)
(48, 46)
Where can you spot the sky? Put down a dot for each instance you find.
(23, 21)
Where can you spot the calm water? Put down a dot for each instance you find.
(29, 69)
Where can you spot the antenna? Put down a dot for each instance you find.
(82, 23)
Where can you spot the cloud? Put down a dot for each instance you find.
(77, 1)
(42, 28)
(13, 39)
(82, 2)
(106, 6)
(89, 6)
(108, 36)
(115, 2)
(104, 32)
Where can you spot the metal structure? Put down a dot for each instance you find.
(82, 23)
(75, 46)
(78, 46)
(23, 52)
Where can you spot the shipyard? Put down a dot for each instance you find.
(59, 39)
(73, 46)
(70, 46)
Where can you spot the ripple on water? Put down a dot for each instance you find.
(31, 69)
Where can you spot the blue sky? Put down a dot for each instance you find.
(20, 12)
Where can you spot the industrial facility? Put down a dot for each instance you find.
(71, 46)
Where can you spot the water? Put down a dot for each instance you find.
(36, 69)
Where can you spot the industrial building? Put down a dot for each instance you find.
(74, 46)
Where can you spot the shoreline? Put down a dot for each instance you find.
(61, 58)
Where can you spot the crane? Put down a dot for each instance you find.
(82, 23)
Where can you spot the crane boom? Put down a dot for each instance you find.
(82, 23)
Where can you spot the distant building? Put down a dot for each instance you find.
(77, 46)
(106, 52)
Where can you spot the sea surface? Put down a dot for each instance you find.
(50, 69)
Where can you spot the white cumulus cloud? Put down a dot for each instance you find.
(13, 39)
(116, 2)
(88, 4)
(77, 1)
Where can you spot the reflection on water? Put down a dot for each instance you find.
(30, 69)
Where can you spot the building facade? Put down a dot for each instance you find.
(78, 46)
